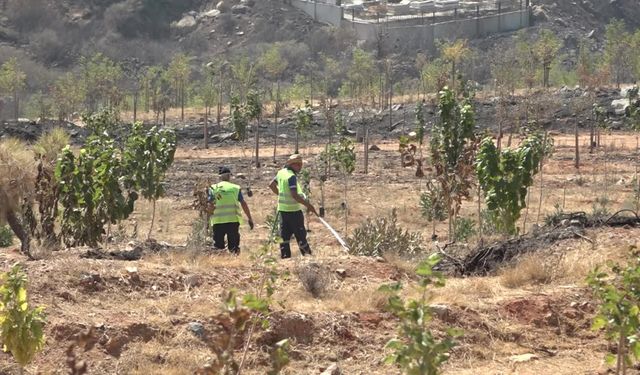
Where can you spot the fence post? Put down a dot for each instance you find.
(499, 16)
(478, 20)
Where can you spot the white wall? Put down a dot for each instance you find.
(412, 33)
(319, 11)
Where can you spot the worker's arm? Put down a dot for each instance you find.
(274, 187)
(245, 208)
(298, 198)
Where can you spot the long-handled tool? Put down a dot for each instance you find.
(335, 234)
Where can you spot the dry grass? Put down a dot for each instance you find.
(529, 270)
(17, 174)
(567, 262)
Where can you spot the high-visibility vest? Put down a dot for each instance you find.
(286, 203)
(227, 207)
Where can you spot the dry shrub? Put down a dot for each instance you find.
(50, 144)
(529, 270)
(17, 175)
(314, 278)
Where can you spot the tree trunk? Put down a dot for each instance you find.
(153, 219)
(16, 104)
(275, 120)
(366, 149)
(206, 126)
(18, 230)
(219, 109)
(182, 101)
(480, 234)
(257, 156)
(135, 107)
(453, 75)
(541, 180)
(577, 164)
(297, 142)
(346, 206)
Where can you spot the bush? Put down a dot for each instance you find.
(378, 236)
(315, 278)
(464, 229)
(619, 294)
(600, 208)
(21, 327)
(6, 236)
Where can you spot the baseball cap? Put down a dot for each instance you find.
(224, 170)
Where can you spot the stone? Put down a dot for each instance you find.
(374, 148)
(192, 281)
(239, 9)
(522, 358)
(241, 176)
(539, 14)
(341, 272)
(186, 23)
(213, 13)
(332, 370)
(591, 34)
(196, 328)
(619, 106)
(222, 7)
(441, 311)
(134, 276)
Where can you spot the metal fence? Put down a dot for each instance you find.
(423, 12)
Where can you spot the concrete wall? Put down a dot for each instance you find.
(414, 33)
(321, 12)
(410, 35)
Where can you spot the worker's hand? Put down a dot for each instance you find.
(312, 209)
(251, 224)
(210, 208)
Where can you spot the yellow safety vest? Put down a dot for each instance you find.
(286, 203)
(227, 207)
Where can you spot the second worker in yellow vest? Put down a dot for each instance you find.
(291, 200)
(227, 200)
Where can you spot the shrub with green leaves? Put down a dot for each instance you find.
(600, 208)
(619, 311)
(432, 203)
(21, 327)
(506, 175)
(416, 350)
(6, 236)
(383, 235)
(147, 157)
(465, 228)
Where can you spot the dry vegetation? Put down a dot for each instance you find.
(329, 305)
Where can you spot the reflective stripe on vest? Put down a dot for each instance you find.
(286, 203)
(227, 207)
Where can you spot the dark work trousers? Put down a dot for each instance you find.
(231, 230)
(292, 223)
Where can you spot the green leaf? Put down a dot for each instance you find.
(610, 359)
(599, 322)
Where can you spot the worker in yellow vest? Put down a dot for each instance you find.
(291, 200)
(226, 199)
